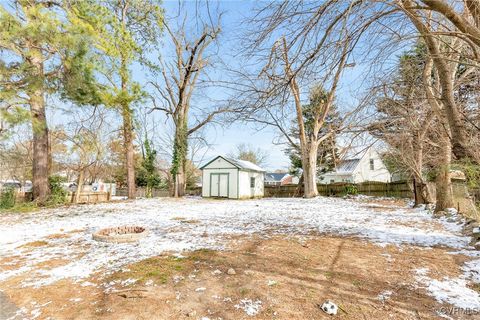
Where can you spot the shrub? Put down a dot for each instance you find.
(351, 189)
(7, 198)
(58, 195)
(471, 171)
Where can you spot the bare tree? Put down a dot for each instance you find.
(179, 79)
(248, 152)
(445, 56)
(16, 156)
(85, 148)
(309, 55)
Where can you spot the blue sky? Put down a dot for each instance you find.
(224, 138)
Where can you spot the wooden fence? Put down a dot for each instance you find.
(141, 192)
(378, 189)
(90, 197)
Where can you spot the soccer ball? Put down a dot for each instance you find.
(329, 308)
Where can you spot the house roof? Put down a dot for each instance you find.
(240, 164)
(350, 160)
(347, 165)
(274, 176)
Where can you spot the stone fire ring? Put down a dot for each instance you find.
(120, 234)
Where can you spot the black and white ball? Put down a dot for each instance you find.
(329, 308)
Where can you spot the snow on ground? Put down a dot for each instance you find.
(193, 223)
(250, 307)
(453, 291)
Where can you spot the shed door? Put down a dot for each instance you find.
(223, 192)
(219, 185)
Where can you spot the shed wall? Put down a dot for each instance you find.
(244, 184)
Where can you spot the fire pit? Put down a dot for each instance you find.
(121, 234)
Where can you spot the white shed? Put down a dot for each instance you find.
(224, 177)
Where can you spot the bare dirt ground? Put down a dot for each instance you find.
(272, 276)
(290, 277)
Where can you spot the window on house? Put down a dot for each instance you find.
(252, 182)
(372, 164)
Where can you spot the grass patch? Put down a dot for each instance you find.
(358, 283)
(30, 206)
(244, 291)
(203, 255)
(24, 207)
(158, 269)
(162, 269)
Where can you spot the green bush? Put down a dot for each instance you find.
(58, 195)
(351, 189)
(471, 171)
(7, 198)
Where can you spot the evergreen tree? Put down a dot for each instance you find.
(42, 49)
(148, 174)
(127, 29)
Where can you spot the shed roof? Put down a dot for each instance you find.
(240, 164)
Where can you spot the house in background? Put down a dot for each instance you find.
(361, 167)
(224, 177)
(279, 179)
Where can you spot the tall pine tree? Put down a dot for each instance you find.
(42, 46)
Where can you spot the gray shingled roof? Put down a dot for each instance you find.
(273, 176)
(347, 165)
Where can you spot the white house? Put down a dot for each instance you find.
(224, 177)
(364, 166)
(278, 178)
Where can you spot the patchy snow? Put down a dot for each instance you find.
(385, 295)
(250, 307)
(215, 223)
(272, 283)
(453, 291)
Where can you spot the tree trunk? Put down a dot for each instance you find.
(307, 150)
(422, 194)
(180, 183)
(179, 158)
(41, 189)
(460, 143)
(80, 179)
(442, 182)
(129, 151)
(298, 190)
(309, 163)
